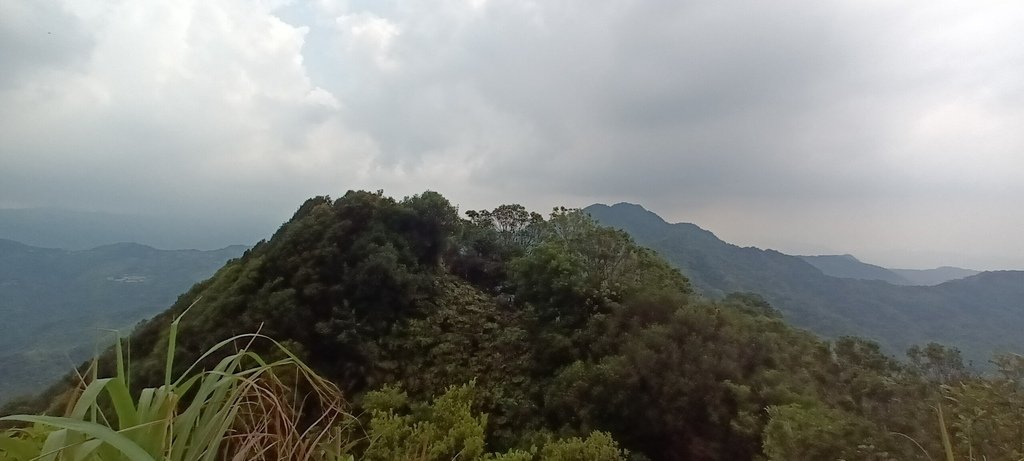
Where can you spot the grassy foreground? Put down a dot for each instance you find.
(248, 408)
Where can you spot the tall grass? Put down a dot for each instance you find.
(240, 409)
(947, 444)
(947, 441)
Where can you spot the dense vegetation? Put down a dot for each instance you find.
(982, 315)
(247, 408)
(57, 303)
(561, 339)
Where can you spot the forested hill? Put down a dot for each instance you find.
(558, 328)
(56, 302)
(980, 315)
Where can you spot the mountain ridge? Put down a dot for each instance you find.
(848, 266)
(979, 314)
(936, 275)
(84, 230)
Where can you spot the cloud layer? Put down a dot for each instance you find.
(885, 129)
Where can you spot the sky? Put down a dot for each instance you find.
(890, 130)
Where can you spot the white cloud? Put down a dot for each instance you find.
(184, 97)
(371, 34)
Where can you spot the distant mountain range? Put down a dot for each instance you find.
(82, 230)
(847, 266)
(58, 305)
(934, 276)
(838, 295)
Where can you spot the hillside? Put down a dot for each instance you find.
(58, 302)
(980, 315)
(562, 327)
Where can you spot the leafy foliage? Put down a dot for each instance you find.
(447, 428)
(798, 433)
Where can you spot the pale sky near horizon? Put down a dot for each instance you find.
(890, 130)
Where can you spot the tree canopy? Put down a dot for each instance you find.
(568, 330)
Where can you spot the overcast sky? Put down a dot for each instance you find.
(890, 130)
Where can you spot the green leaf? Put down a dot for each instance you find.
(123, 444)
(19, 449)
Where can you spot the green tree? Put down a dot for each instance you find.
(802, 433)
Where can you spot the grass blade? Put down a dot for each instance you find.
(123, 444)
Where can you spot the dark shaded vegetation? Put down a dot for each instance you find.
(567, 327)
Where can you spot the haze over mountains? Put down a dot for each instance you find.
(83, 230)
(848, 266)
(980, 314)
(934, 276)
(59, 305)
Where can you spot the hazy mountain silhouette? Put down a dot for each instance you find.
(59, 304)
(979, 314)
(848, 266)
(81, 230)
(934, 276)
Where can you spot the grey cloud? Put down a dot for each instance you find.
(678, 87)
(38, 36)
(777, 113)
